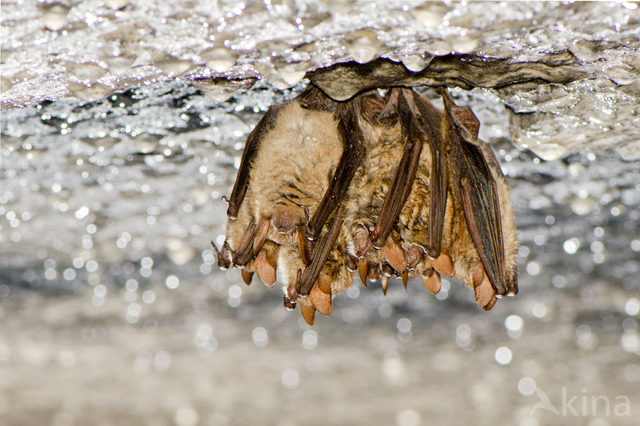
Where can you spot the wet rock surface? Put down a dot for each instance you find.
(122, 127)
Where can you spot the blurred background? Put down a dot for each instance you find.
(123, 123)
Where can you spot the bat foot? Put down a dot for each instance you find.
(414, 256)
(288, 303)
(350, 261)
(224, 261)
(297, 291)
(374, 272)
(362, 243)
(232, 210)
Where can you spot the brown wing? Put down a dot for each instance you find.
(321, 252)
(431, 118)
(251, 148)
(477, 189)
(351, 159)
(396, 197)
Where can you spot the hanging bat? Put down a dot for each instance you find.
(387, 185)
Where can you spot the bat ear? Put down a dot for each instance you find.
(324, 283)
(266, 264)
(320, 300)
(308, 311)
(246, 276)
(485, 296)
(433, 283)
(443, 263)
(394, 254)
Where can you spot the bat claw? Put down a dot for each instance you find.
(228, 252)
(232, 209)
(308, 231)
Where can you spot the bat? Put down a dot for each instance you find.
(384, 184)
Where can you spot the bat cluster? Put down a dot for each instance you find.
(384, 184)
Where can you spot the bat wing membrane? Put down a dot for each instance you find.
(478, 191)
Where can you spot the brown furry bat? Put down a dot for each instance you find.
(388, 186)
